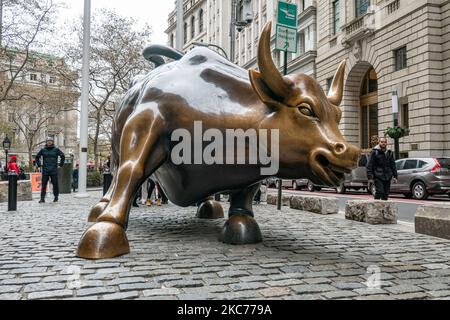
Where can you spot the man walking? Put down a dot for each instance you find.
(49, 165)
(381, 169)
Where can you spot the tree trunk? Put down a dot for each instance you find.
(30, 155)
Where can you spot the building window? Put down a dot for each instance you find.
(171, 40)
(33, 77)
(336, 17)
(11, 117)
(52, 80)
(185, 32)
(400, 58)
(200, 21)
(329, 82)
(404, 115)
(361, 7)
(301, 43)
(192, 27)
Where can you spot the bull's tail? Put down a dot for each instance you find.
(155, 53)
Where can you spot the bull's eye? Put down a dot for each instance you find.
(306, 110)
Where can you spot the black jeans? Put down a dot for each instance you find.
(54, 179)
(382, 188)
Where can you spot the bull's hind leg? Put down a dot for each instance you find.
(241, 227)
(210, 209)
(140, 156)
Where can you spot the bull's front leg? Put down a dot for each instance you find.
(98, 209)
(241, 227)
(140, 156)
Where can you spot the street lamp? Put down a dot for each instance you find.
(395, 114)
(207, 45)
(6, 147)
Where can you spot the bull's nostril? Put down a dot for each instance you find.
(339, 148)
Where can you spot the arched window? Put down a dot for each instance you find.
(192, 27)
(200, 21)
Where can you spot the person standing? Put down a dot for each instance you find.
(381, 169)
(12, 165)
(75, 178)
(50, 154)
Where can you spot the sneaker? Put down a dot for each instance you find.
(149, 202)
(41, 201)
(55, 200)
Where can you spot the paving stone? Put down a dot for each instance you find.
(121, 295)
(248, 286)
(284, 283)
(139, 286)
(275, 292)
(400, 289)
(51, 295)
(10, 296)
(95, 291)
(44, 286)
(161, 292)
(8, 289)
(313, 288)
(339, 294)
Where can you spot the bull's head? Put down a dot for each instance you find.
(308, 119)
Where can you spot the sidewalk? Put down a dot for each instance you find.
(176, 256)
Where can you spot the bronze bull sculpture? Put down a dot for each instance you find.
(204, 86)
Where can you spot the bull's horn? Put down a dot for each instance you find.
(337, 86)
(270, 74)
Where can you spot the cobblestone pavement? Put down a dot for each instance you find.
(176, 256)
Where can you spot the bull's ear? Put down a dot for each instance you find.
(337, 86)
(262, 90)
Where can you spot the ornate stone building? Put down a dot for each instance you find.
(390, 45)
(48, 104)
(209, 21)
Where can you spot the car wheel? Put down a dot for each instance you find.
(311, 187)
(318, 188)
(419, 191)
(341, 189)
(294, 185)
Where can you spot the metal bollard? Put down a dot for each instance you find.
(12, 191)
(107, 179)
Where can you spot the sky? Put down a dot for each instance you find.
(153, 12)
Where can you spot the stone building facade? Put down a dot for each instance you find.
(216, 17)
(48, 105)
(390, 45)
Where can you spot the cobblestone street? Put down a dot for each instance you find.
(177, 256)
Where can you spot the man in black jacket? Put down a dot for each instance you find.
(49, 166)
(381, 169)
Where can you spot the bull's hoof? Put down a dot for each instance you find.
(241, 229)
(96, 211)
(210, 209)
(102, 241)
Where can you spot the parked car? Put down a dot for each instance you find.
(421, 177)
(355, 180)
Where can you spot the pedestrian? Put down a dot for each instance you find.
(381, 169)
(22, 175)
(12, 165)
(50, 154)
(75, 178)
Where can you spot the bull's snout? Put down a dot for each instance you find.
(333, 162)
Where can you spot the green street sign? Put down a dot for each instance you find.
(287, 14)
(286, 39)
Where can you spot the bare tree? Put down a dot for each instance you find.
(23, 27)
(116, 59)
(42, 111)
